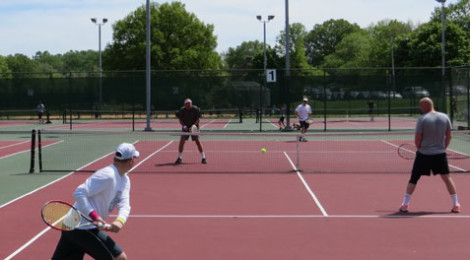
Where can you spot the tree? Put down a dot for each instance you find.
(422, 48)
(296, 44)
(20, 63)
(383, 36)
(352, 52)
(458, 13)
(323, 38)
(86, 61)
(242, 56)
(4, 70)
(179, 41)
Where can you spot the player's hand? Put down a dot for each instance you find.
(115, 227)
(185, 129)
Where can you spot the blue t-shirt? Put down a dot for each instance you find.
(433, 127)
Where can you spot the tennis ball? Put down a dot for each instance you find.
(263, 150)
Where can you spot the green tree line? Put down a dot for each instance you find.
(180, 41)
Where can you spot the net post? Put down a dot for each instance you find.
(33, 149)
(39, 150)
(297, 141)
(133, 118)
(70, 119)
(64, 117)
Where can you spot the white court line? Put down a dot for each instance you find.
(206, 124)
(314, 197)
(450, 165)
(15, 144)
(32, 240)
(391, 215)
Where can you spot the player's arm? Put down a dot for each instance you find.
(124, 209)
(448, 137)
(92, 186)
(418, 137)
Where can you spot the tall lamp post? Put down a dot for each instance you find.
(265, 64)
(443, 56)
(100, 69)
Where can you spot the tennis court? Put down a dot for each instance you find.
(333, 197)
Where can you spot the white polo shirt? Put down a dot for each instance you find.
(303, 111)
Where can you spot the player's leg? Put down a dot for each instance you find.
(419, 167)
(99, 245)
(65, 249)
(180, 149)
(450, 185)
(200, 149)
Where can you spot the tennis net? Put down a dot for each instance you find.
(368, 152)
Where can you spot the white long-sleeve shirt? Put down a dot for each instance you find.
(102, 192)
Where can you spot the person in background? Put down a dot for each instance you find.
(303, 112)
(40, 109)
(282, 115)
(188, 116)
(371, 107)
(432, 137)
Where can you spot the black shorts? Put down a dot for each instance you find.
(186, 137)
(304, 124)
(425, 164)
(76, 243)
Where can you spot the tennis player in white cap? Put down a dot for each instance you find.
(106, 189)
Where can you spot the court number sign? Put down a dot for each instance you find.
(270, 75)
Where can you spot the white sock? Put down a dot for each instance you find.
(180, 155)
(454, 199)
(203, 155)
(406, 201)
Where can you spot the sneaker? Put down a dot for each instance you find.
(455, 209)
(403, 208)
(178, 161)
(303, 139)
(204, 161)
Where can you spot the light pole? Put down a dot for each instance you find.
(443, 56)
(100, 69)
(265, 64)
(443, 44)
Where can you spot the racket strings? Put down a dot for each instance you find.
(61, 216)
(407, 151)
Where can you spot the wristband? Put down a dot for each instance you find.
(93, 215)
(122, 220)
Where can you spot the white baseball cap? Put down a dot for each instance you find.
(188, 101)
(126, 151)
(305, 99)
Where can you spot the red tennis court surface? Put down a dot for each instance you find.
(196, 211)
(10, 148)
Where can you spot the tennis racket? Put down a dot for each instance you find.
(194, 129)
(62, 216)
(309, 121)
(407, 151)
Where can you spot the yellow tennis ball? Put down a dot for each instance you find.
(263, 150)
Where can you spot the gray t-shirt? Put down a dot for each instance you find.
(433, 127)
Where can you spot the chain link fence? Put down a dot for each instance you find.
(332, 92)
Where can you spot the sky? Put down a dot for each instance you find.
(59, 26)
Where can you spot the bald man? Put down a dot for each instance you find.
(432, 137)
